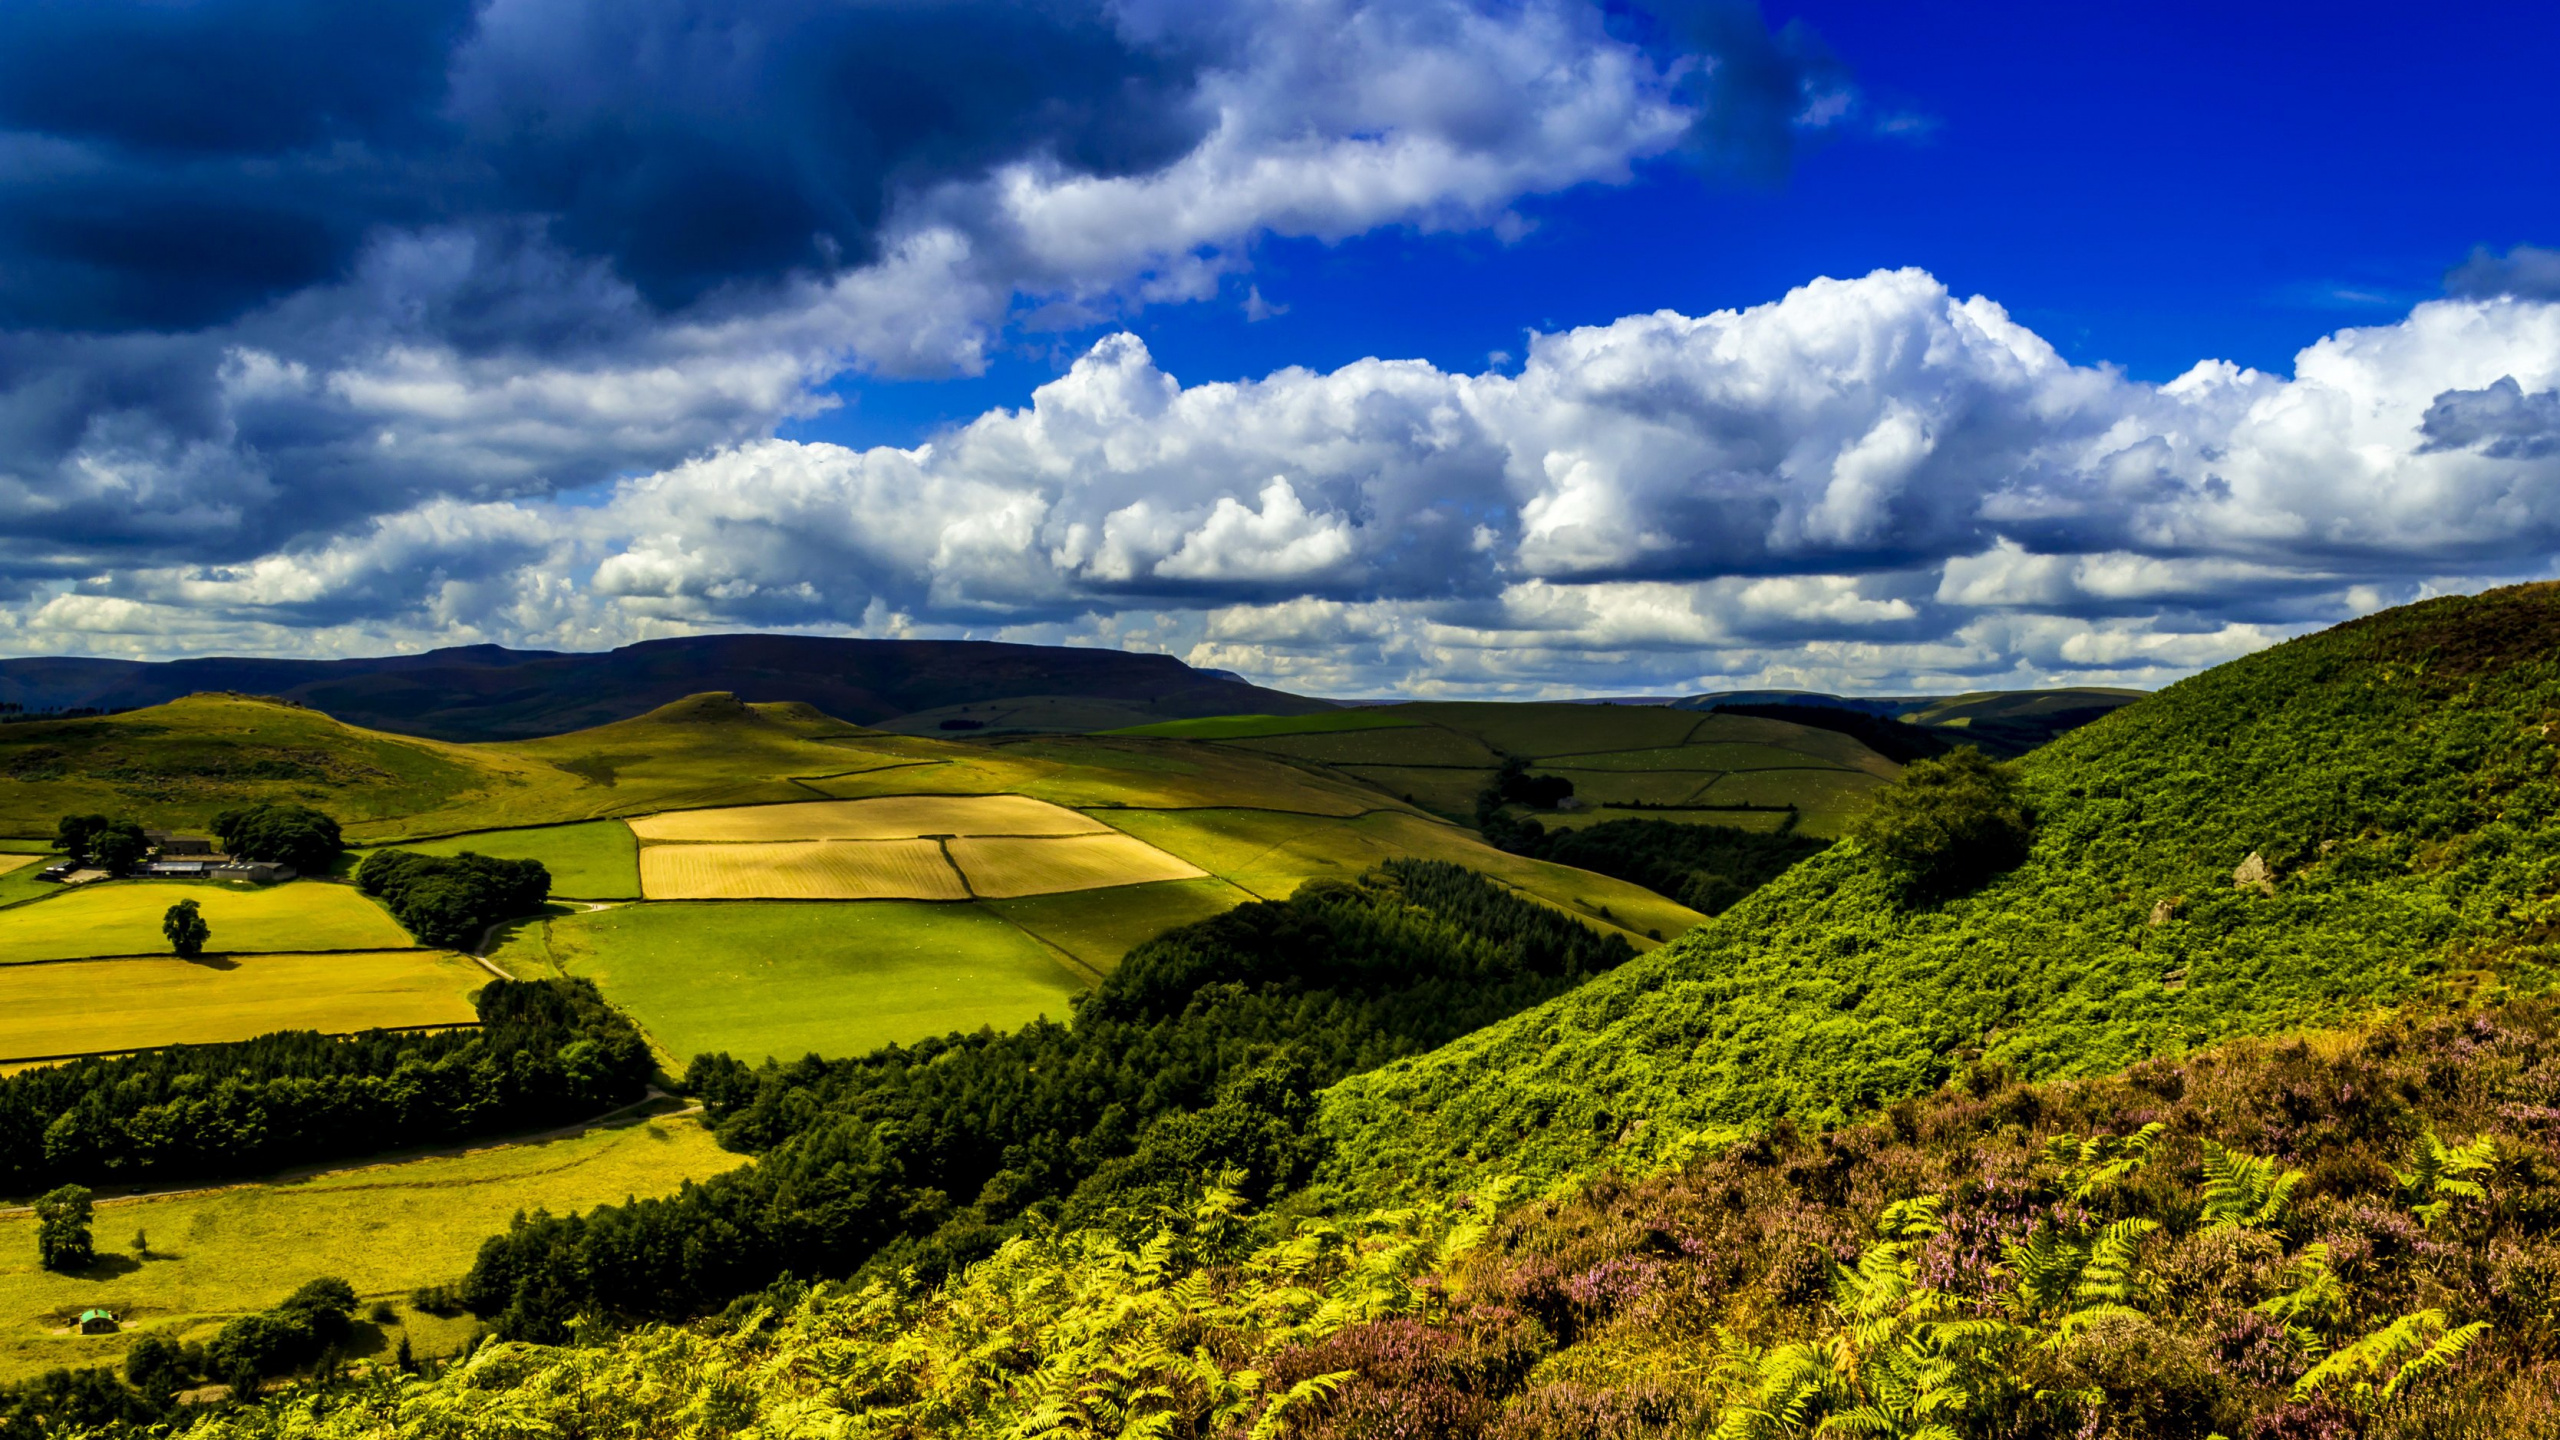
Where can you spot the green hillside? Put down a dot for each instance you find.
(2397, 775)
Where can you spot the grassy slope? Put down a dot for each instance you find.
(386, 1229)
(95, 1005)
(834, 978)
(2398, 771)
(175, 765)
(123, 918)
(1238, 727)
(1439, 756)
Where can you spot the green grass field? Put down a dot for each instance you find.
(1098, 927)
(598, 860)
(20, 883)
(122, 917)
(835, 978)
(1271, 855)
(1241, 727)
(90, 1005)
(385, 1229)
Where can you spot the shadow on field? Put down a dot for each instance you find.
(215, 962)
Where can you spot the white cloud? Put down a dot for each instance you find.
(1870, 483)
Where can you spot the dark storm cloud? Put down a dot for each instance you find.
(171, 165)
(2499, 421)
(2528, 272)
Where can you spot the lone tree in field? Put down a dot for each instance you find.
(186, 929)
(1947, 826)
(62, 1229)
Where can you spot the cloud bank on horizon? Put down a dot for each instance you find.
(488, 338)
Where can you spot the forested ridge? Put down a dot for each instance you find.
(545, 1052)
(1201, 1053)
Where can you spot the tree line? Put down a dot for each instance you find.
(1200, 1054)
(546, 1052)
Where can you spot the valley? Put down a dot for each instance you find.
(937, 997)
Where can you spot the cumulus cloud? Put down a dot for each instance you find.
(273, 270)
(1870, 483)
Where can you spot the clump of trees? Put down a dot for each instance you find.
(184, 924)
(62, 1229)
(111, 844)
(1947, 825)
(450, 899)
(282, 833)
(1201, 1053)
(546, 1052)
(312, 1325)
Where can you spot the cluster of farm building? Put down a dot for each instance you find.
(179, 856)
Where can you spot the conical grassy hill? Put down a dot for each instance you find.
(2399, 775)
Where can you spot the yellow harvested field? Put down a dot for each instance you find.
(76, 1007)
(12, 862)
(890, 817)
(1001, 867)
(800, 870)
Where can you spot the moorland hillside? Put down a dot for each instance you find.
(2293, 838)
(488, 692)
(2349, 1238)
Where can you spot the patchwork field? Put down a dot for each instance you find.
(123, 918)
(597, 860)
(17, 861)
(1440, 757)
(385, 1229)
(1001, 867)
(801, 870)
(789, 980)
(889, 818)
(77, 1007)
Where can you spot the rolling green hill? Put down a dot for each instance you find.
(2399, 776)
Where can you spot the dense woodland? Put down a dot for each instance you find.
(451, 899)
(545, 1052)
(1201, 1053)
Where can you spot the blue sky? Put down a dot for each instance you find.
(2146, 185)
(332, 329)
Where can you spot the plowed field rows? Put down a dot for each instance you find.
(1005, 866)
(800, 870)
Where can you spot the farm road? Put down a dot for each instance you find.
(479, 950)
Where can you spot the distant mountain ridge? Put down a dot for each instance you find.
(489, 692)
